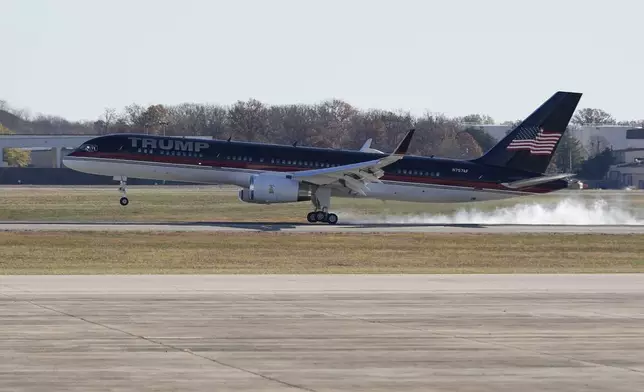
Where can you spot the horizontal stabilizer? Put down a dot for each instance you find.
(536, 181)
(366, 146)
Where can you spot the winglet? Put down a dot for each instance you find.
(404, 144)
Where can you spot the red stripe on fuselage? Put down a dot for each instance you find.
(199, 162)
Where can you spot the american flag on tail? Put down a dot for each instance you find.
(535, 140)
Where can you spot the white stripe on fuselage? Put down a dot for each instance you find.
(387, 190)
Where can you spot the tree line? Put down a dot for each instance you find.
(331, 124)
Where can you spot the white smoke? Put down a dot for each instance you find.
(564, 212)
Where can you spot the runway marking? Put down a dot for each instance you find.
(441, 334)
(485, 332)
(159, 343)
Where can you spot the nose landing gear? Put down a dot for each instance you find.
(123, 189)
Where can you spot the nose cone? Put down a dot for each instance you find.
(71, 161)
(66, 162)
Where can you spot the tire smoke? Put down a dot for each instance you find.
(567, 211)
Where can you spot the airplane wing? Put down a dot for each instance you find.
(354, 176)
(536, 181)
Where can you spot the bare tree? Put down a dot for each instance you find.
(154, 119)
(134, 117)
(215, 121)
(632, 123)
(23, 114)
(439, 135)
(598, 144)
(394, 124)
(109, 117)
(333, 125)
(249, 120)
(478, 119)
(590, 116)
(104, 124)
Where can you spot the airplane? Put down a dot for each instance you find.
(272, 173)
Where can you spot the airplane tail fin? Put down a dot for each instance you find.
(531, 144)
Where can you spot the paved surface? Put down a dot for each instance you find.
(322, 333)
(317, 228)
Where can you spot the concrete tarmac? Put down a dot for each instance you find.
(322, 333)
(317, 228)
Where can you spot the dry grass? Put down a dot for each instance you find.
(207, 203)
(164, 253)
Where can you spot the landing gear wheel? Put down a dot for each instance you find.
(320, 216)
(311, 217)
(123, 189)
(332, 219)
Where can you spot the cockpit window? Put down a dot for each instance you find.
(89, 147)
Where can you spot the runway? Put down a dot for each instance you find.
(288, 227)
(323, 333)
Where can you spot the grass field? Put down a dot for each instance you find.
(221, 252)
(211, 203)
(263, 253)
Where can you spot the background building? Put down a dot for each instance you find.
(43, 145)
(628, 170)
(627, 144)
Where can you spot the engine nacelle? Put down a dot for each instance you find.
(244, 195)
(269, 189)
(576, 184)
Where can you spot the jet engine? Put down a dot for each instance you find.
(576, 184)
(269, 189)
(244, 195)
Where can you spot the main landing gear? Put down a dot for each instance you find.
(123, 189)
(321, 201)
(321, 216)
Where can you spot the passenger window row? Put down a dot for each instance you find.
(304, 163)
(171, 153)
(287, 162)
(238, 158)
(418, 173)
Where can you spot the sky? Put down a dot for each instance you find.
(74, 58)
